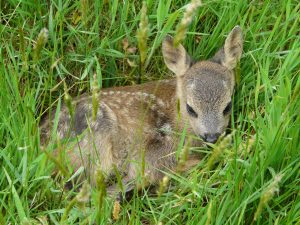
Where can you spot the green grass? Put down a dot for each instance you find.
(85, 38)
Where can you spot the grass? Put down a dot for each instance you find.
(256, 179)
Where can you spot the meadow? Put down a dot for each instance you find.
(251, 177)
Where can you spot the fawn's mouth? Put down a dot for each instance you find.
(210, 137)
(207, 137)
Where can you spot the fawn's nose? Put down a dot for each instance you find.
(211, 138)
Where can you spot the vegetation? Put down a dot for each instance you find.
(251, 177)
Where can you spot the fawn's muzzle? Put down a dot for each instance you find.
(211, 138)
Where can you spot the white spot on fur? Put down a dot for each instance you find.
(166, 128)
(153, 107)
(60, 134)
(160, 102)
(152, 96)
(113, 105)
(124, 111)
(83, 142)
(125, 128)
(117, 100)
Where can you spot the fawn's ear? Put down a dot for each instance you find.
(176, 59)
(231, 53)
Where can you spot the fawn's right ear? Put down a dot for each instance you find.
(176, 59)
(231, 52)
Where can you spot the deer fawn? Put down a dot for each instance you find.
(136, 123)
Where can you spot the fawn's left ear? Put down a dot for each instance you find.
(176, 59)
(231, 53)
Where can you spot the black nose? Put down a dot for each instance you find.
(211, 138)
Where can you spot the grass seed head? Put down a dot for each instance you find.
(218, 150)
(68, 101)
(184, 155)
(100, 179)
(40, 43)
(26, 221)
(95, 97)
(80, 199)
(268, 195)
(84, 195)
(163, 185)
(116, 210)
(84, 8)
(186, 21)
(142, 33)
(101, 187)
(209, 209)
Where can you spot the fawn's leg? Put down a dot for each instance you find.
(115, 190)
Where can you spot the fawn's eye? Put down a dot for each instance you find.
(228, 108)
(191, 111)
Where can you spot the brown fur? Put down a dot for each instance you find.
(142, 119)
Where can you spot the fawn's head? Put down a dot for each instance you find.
(205, 88)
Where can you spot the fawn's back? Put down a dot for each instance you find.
(129, 120)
